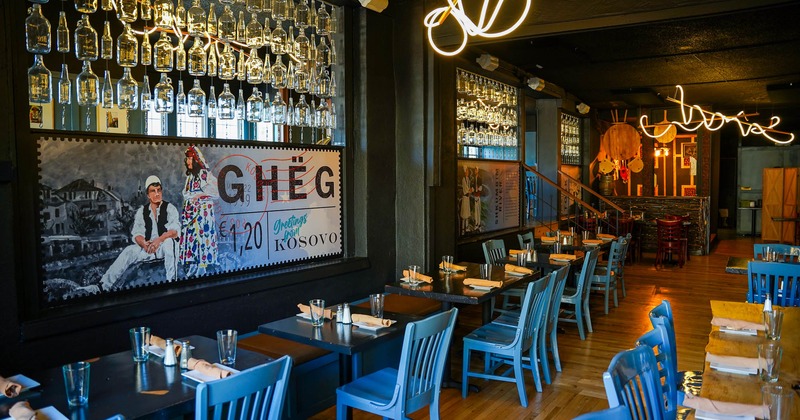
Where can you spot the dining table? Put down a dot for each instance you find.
(737, 265)
(118, 385)
(743, 388)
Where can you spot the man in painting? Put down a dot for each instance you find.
(155, 232)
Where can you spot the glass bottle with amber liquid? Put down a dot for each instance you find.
(127, 48)
(37, 31)
(85, 40)
(87, 86)
(164, 58)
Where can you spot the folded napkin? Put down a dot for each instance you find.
(737, 324)
(455, 267)
(9, 388)
(161, 343)
(722, 407)
(515, 251)
(307, 310)
(207, 369)
(605, 236)
(563, 257)
(420, 277)
(733, 361)
(371, 320)
(518, 269)
(549, 238)
(22, 411)
(483, 283)
(566, 233)
(592, 241)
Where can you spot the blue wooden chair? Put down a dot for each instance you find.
(658, 340)
(396, 393)
(525, 238)
(548, 340)
(619, 412)
(626, 241)
(494, 251)
(605, 278)
(786, 253)
(505, 346)
(780, 280)
(632, 380)
(579, 295)
(258, 392)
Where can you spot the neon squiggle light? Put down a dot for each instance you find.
(468, 28)
(713, 121)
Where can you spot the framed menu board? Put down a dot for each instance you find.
(488, 196)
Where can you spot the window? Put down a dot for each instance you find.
(191, 126)
(265, 131)
(228, 129)
(156, 123)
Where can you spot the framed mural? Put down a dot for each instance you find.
(488, 196)
(123, 214)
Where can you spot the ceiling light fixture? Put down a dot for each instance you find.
(713, 121)
(536, 84)
(468, 28)
(582, 108)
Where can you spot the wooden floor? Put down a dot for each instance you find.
(579, 388)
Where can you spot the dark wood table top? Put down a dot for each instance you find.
(737, 265)
(118, 385)
(575, 245)
(449, 287)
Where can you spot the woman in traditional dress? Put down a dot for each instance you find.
(198, 247)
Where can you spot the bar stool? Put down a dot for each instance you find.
(588, 224)
(685, 223)
(670, 240)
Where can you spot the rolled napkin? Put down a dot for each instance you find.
(207, 369)
(307, 310)
(22, 411)
(420, 277)
(549, 238)
(371, 320)
(733, 361)
(9, 388)
(518, 269)
(605, 236)
(162, 344)
(563, 257)
(483, 283)
(737, 324)
(566, 233)
(592, 241)
(455, 267)
(722, 407)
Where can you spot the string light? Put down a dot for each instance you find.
(713, 121)
(468, 28)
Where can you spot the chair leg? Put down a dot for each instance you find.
(605, 298)
(537, 378)
(616, 302)
(542, 350)
(579, 319)
(554, 349)
(587, 315)
(622, 283)
(520, 379)
(341, 411)
(465, 373)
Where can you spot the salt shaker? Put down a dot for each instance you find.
(339, 314)
(347, 318)
(767, 304)
(169, 353)
(186, 354)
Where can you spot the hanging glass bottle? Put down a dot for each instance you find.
(62, 34)
(212, 103)
(86, 6)
(267, 73)
(268, 8)
(164, 95)
(241, 31)
(290, 10)
(127, 91)
(147, 103)
(278, 109)
(255, 106)
(87, 86)
(107, 94)
(211, 24)
(127, 48)
(164, 59)
(147, 10)
(254, 33)
(241, 67)
(266, 107)
(279, 40)
(85, 40)
(211, 70)
(278, 80)
(226, 104)
(290, 82)
(267, 36)
(147, 50)
(290, 112)
(240, 105)
(180, 56)
(164, 11)
(323, 85)
(302, 46)
(332, 117)
(332, 54)
(302, 81)
(312, 16)
(302, 15)
(254, 6)
(40, 80)
(37, 31)
(106, 5)
(64, 86)
(197, 58)
(279, 10)
(106, 42)
(196, 19)
(320, 115)
(127, 10)
(196, 100)
(302, 112)
(180, 15)
(180, 99)
(323, 21)
(312, 110)
(333, 85)
(323, 53)
(227, 63)
(255, 68)
(290, 45)
(226, 25)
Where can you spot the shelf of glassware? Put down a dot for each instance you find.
(570, 136)
(478, 141)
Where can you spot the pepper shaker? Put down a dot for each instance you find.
(186, 354)
(339, 314)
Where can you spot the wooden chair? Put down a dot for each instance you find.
(632, 380)
(588, 224)
(669, 241)
(604, 278)
(619, 412)
(548, 340)
(685, 232)
(579, 296)
(396, 393)
(525, 238)
(786, 253)
(780, 280)
(494, 251)
(258, 392)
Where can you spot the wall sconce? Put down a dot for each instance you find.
(488, 62)
(582, 108)
(536, 84)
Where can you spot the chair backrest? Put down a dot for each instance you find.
(422, 360)
(525, 238)
(624, 226)
(632, 380)
(615, 255)
(494, 250)
(780, 280)
(785, 252)
(588, 224)
(555, 300)
(585, 276)
(534, 309)
(258, 392)
(658, 339)
(669, 230)
(619, 412)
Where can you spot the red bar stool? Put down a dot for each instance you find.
(685, 224)
(670, 240)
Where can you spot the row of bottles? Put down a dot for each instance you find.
(485, 89)
(477, 111)
(570, 139)
(474, 135)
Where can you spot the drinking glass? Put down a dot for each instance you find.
(76, 382)
(486, 271)
(376, 305)
(773, 321)
(140, 337)
(447, 263)
(226, 344)
(769, 360)
(317, 309)
(777, 401)
(521, 259)
(413, 270)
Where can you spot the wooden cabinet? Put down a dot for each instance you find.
(780, 200)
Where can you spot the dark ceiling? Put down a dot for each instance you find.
(744, 59)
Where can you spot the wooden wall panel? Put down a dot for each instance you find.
(772, 203)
